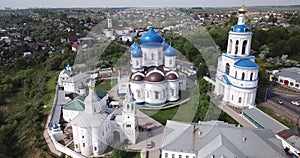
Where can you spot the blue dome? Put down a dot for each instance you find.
(55, 126)
(165, 44)
(241, 28)
(246, 63)
(151, 37)
(68, 66)
(134, 44)
(137, 52)
(170, 51)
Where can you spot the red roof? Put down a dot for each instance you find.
(285, 134)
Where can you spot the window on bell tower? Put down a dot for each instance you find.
(152, 56)
(230, 46)
(244, 47)
(243, 76)
(236, 46)
(227, 69)
(251, 76)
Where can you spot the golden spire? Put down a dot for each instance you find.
(91, 84)
(242, 10)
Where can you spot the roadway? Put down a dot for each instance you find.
(274, 93)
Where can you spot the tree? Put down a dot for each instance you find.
(294, 45)
(118, 150)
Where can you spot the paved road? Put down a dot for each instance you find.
(57, 107)
(156, 137)
(274, 93)
(282, 111)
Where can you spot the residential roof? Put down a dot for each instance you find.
(264, 120)
(292, 72)
(220, 139)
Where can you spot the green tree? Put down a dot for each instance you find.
(294, 45)
(118, 150)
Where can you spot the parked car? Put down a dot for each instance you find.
(295, 103)
(149, 144)
(149, 132)
(279, 101)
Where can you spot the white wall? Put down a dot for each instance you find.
(176, 154)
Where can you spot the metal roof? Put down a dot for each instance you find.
(151, 36)
(78, 77)
(220, 139)
(77, 104)
(292, 72)
(246, 63)
(170, 51)
(241, 28)
(264, 120)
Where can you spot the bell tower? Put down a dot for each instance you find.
(130, 121)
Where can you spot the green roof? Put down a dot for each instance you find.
(100, 93)
(77, 104)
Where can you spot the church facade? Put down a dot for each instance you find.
(237, 72)
(154, 79)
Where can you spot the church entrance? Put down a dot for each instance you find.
(116, 138)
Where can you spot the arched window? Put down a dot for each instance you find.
(244, 47)
(251, 76)
(147, 94)
(170, 61)
(127, 106)
(159, 56)
(145, 56)
(152, 56)
(227, 69)
(240, 99)
(243, 75)
(230, 46)
(137, 62)
(172, 92)
(236, 46)
(138, 92)
(156, 93)
(235, 74)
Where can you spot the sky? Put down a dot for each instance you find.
(140, 3)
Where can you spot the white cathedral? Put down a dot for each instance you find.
(154, 80)
(237, 72)
(97, 126)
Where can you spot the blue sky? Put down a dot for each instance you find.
(141, 3)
